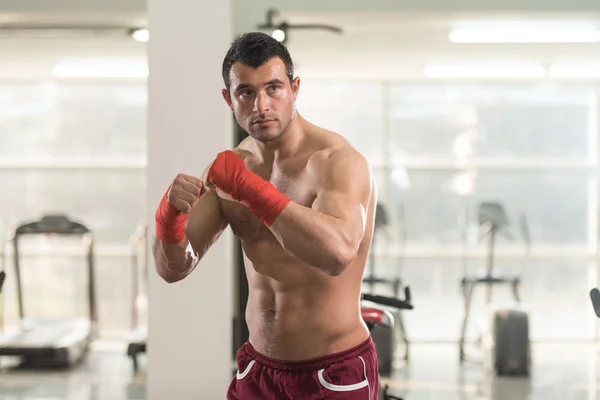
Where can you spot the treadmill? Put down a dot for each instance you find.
(51, 343)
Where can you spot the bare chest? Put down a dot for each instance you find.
(292, 182)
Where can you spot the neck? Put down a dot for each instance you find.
(285, 146)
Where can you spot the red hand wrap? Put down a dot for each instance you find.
(170, 222)
(230, 175)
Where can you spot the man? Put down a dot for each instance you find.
(302, 200)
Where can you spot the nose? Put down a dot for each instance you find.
(261, 103)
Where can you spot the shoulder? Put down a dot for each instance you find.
(342, 171)
(342, 157)
(340, 164)
(244, 150)
(335, 151)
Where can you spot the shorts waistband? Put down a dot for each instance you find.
(310, 364)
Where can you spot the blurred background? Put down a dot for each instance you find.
(454, 103)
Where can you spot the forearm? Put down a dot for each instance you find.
(183, 239)
(174, 262)
(321, 240)
(205, 224)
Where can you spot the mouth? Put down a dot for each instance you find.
(263, 122)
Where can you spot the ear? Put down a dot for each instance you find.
(227, 98)
(296, 86)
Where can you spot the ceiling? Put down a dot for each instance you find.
(391, 43)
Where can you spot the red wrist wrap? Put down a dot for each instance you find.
(229, 174)
(170, 222)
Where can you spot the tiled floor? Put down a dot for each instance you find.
(561, 372)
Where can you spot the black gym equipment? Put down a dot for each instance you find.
(139, 264)
(595, 297)
(55, 342)
(375, 315)
(2, 270)
(506, 342)
(385, 337)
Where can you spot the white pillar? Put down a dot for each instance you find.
(190, 345)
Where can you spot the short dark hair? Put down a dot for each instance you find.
(255, 49)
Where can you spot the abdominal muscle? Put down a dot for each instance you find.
(296, 312)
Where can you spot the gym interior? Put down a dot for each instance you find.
(479, 119)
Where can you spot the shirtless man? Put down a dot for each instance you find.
(302, 200)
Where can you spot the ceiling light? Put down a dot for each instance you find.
(525, 32)
(485, 71)
(141, 35)
(279, 35)
(102, 70)
(575, 71)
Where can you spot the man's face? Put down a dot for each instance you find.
(262, 99)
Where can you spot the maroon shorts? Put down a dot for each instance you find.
(349, 375)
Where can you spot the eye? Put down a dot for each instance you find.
(273, 88)
(246, 93)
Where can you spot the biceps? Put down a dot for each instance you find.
(349, 211)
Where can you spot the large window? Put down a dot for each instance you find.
(355, 110)
(489, 121)
(437, 151)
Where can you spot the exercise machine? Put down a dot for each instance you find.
(2, 271)
(375, 314)
(386, 337)
(139, 266)
(506, 338)
(595, 297)
(51, 342)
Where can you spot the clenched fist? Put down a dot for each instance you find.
(185, 192)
